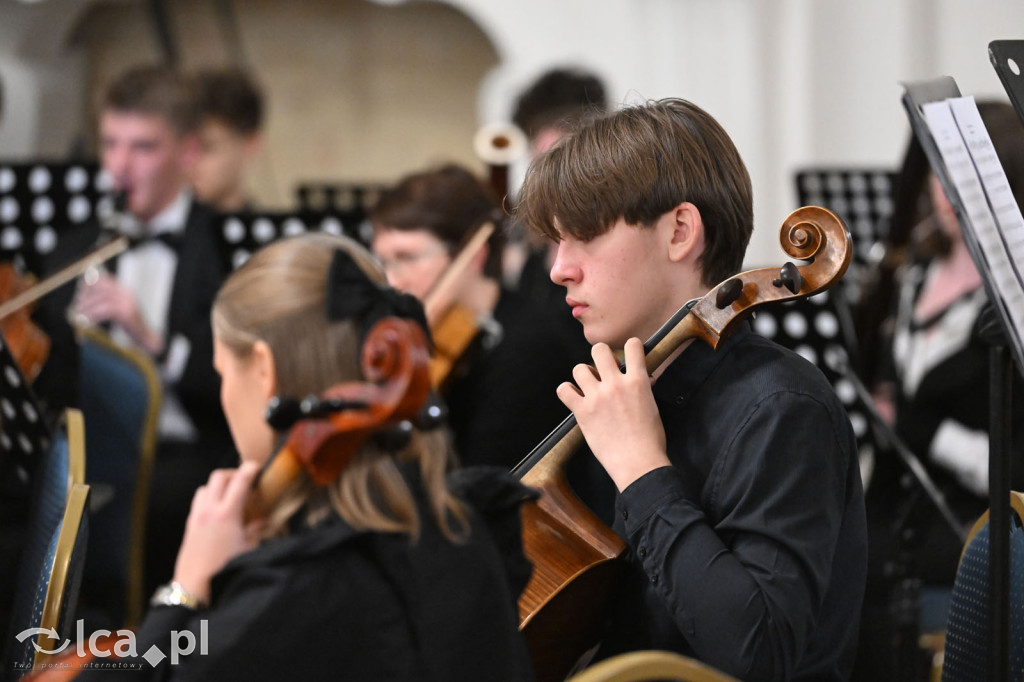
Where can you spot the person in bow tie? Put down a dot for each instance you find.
(156, 297)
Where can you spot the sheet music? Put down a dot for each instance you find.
(996, 225)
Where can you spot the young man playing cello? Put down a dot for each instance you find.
(739, 493)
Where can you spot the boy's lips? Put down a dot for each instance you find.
(578, 307)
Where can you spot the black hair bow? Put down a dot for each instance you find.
(351, 295)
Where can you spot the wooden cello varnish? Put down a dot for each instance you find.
(453, 326)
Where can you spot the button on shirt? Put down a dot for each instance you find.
(749, 552)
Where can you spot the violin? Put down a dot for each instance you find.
(325, 432)
(29, 344)
(453, 326)
(575, 556)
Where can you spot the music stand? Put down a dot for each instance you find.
(338, 197)
(863, 198)
(41, 200)
(242, 234)
(960, 153)
(24, 437)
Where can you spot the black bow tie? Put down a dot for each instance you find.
(171, 239)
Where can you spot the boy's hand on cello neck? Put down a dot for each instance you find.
(617, 413)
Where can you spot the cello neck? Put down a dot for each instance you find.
(552, 454)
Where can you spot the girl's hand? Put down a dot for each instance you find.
(216, 531)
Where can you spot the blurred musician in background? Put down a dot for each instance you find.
(935, 392)
(545, 111)
(501, 396)
(157, 295)
(230, 137)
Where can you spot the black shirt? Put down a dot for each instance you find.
(749, 553)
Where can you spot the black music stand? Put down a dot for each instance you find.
(24, 437)
(338, 197)
(242, 234)
(41, 200)
(863, 198)
(954, 159)
(819, 329)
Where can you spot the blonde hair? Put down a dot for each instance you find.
(278, 297)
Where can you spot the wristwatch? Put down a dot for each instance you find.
(173, 594)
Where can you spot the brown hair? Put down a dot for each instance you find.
(278, 297)
(230, 96)
(449, 202)
(637, 163)
(559, 98)
(155, 90)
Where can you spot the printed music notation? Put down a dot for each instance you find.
(991, 219)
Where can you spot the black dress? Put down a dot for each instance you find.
(332, 602)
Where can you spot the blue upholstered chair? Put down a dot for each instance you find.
(120, 396)
(966, 651)
(51, 562)
(57, 589)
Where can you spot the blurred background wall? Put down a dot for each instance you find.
(364, 91)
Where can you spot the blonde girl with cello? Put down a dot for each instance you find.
(386, 570)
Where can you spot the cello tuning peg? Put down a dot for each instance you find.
(282, 412)
(728, 293)
(789, 277)
(315, 407)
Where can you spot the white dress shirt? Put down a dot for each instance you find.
(148, 270)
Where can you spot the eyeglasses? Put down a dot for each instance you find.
(404, 260)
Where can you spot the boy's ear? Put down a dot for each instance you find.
(687, 239)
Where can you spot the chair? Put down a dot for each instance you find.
(59, 498)
(650, 665)
(120, 395)
(57, 591)
(24, 438)
(966, 647)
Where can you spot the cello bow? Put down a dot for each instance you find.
(576, 556)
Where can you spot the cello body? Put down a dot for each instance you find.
(575, 565)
